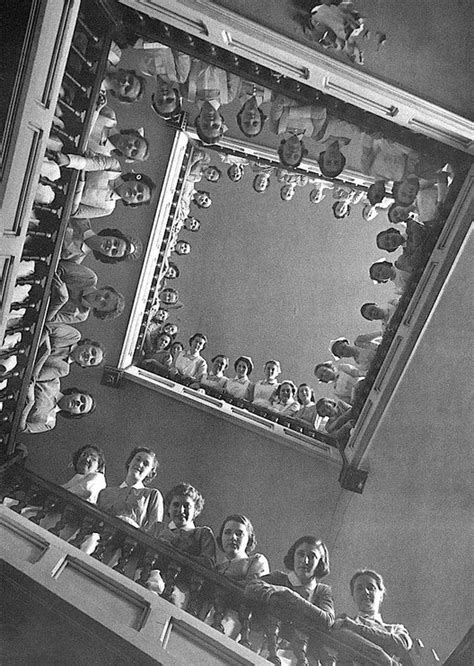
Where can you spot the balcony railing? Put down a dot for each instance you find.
(137, 554)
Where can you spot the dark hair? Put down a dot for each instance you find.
(186, 490)
(94, 343)
(169, 115)
(364, 308)
(175, 268)
(286, 381)
(200, 335)
(77, 454)
(323, 565)
(391, 209)
(379, 263)
(238, 117)
(381, 235)
(311, 396)
(368, 572)
(124, 98)
(116, 233)
(304, 152)
(340, 216)
(247, 362)
(335, 344)
(239, 518)
(330, 173)
(144, 449)
(208, 140)
(202, 192)
(119, 306)
(321, 403)
(70, 391)
(146, 180)
(226, 359)
(373, 196)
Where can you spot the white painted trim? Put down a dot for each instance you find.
(243, 37)
(241, 417)
(153, 249)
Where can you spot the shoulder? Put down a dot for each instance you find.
(277, 578)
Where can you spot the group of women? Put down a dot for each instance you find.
(286, 607)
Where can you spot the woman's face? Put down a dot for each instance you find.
(162, 315)
(367, 595)
(171, 273)
(169, 296)
(87, 355)
(271, 371)
(212, 174)
(286, 393)
(88, 461)
(328, 409)
(170, 329)
(304, 394)
(235, 538)
(182, 510)
(176, 349)
(102, 300)
(325, 374)
(182, 247)
(131, 146)
(133, 192)
(202, 199)
(197, 344)
(76, 403)
(111, 246)
(165, 98)
(241, 369)
(192, 224)
(250, 119)
(316, 195)
(292, 151)
(163, 342)
(219, 365)
(235, 172)
(141, 465)
(305, 562)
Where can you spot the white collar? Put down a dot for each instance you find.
(295, 581)
(187, 528)
(138, 485)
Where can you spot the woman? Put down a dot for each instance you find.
(285, 402)
(190, 363)
(297, 596)
(237, 541)
(110, 246)
(368, 591)
(307, 411)
(216, 379)
(45, 401)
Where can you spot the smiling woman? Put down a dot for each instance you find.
(259, 281)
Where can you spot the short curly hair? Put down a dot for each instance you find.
(184, 489)
(156, 464)
(77, 454)
(239, 518)
(304, 153)
(116, 233)
(379, 239)
(117, 311)
(290, 383)
(322, 568)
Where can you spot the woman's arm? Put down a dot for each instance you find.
(258, 567)
(154, 510)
